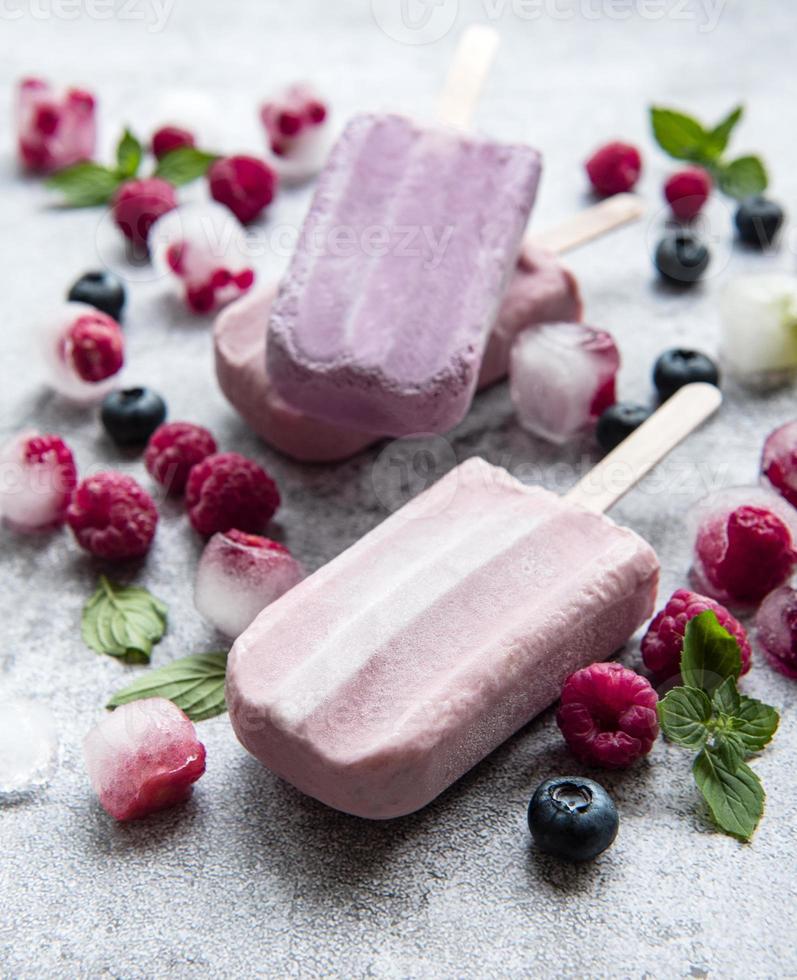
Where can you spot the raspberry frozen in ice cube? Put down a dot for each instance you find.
(83, 350)
(296, 122)
(203, 248)
(745, 544)
(37, 479)
(55, 129)
(561, 378)
(779, 461)
(776, 624)
(240, 574)
(143, 757)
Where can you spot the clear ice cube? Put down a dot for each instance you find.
(28, 747)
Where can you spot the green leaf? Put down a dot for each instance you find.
(183, 165)
(679, 135)
(85, 185)
(743, 177)
(735, 798)
(726, 697)
(194, 683)
(730, 749)
(718, 137)
(710, 654)
(684, 714)
(755, 723)
(128, 155)
(123, 622)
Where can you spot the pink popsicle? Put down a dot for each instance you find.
(386, 675)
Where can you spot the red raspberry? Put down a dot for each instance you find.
(614, 168)
(244, 184)
(663, 643)
(112, 516)
(744, 555)
(169, 138)
(687, 191)
(230, 491)
(608, 715)
(172, 450)
(779, 461)
(95, 346)
(776, 623)
(138, 204)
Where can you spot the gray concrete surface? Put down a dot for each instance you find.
(250, 878)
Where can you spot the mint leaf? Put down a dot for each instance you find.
(743, 177)
(128, 155)
(183, 165)
(679, 135)
(717, 141)
(85, 185)
(735, 798)
(123, 621)
(194, 683)
(755, 723)
(684, 714)
(730, 749)
(726, 697)
(710, 654)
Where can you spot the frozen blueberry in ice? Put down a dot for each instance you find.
(678, 367)
(239, 575)
(37, 479)
(776, 624)
(131, 415)
(101, 289)
(618, 422)
(758, 221)
(572, 818)
(561, 378)
(758, 329)
(681, 258)
(779, 461)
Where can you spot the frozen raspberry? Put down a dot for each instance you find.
(143, 757)
(37, 478)
(779, 461)
(138, 204)
(244, 184)
(614, 168)
(687, 191)
(744, 545)
(95, 346)
(54, 129)
(776, 623)
(169, 138)
(173, 449)
(297, 132)
(663, 643)
(112, 516)
(230, 491)
(240, 574)
(608, 715)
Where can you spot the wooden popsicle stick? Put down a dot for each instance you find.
(588, 224)
(466, 77)
(625, 466)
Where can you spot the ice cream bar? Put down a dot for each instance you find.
(382, 318)
(386, 675)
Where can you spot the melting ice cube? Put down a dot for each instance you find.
(28, 747)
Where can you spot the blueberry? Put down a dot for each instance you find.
(681, 258)
(102, 290)
(618, 422)
(758, 221)
(678, 367)
(132, 415)
(572, 818)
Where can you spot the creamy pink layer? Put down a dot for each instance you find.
(382, 678)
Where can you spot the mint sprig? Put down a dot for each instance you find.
(685, 138)
(194, 683)
(184, 164)
(123, 621)
(708, 713)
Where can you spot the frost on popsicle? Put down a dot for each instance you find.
(37, 479)
(28, 747)
(83, 351)
(143, 757)
(55, 129)
(239, 575)
(203, 248)
(296, 124)
(561, 378)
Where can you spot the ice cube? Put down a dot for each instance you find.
(203, 248)
(55, 129)
(239, 575)
(143, 757)
(561, 378)
(779, 461)
(28, 747)
(296, 122)
(62, 374)
(37, 479)
(776, 623)
(758, 342)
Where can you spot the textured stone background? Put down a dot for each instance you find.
(251, 877)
